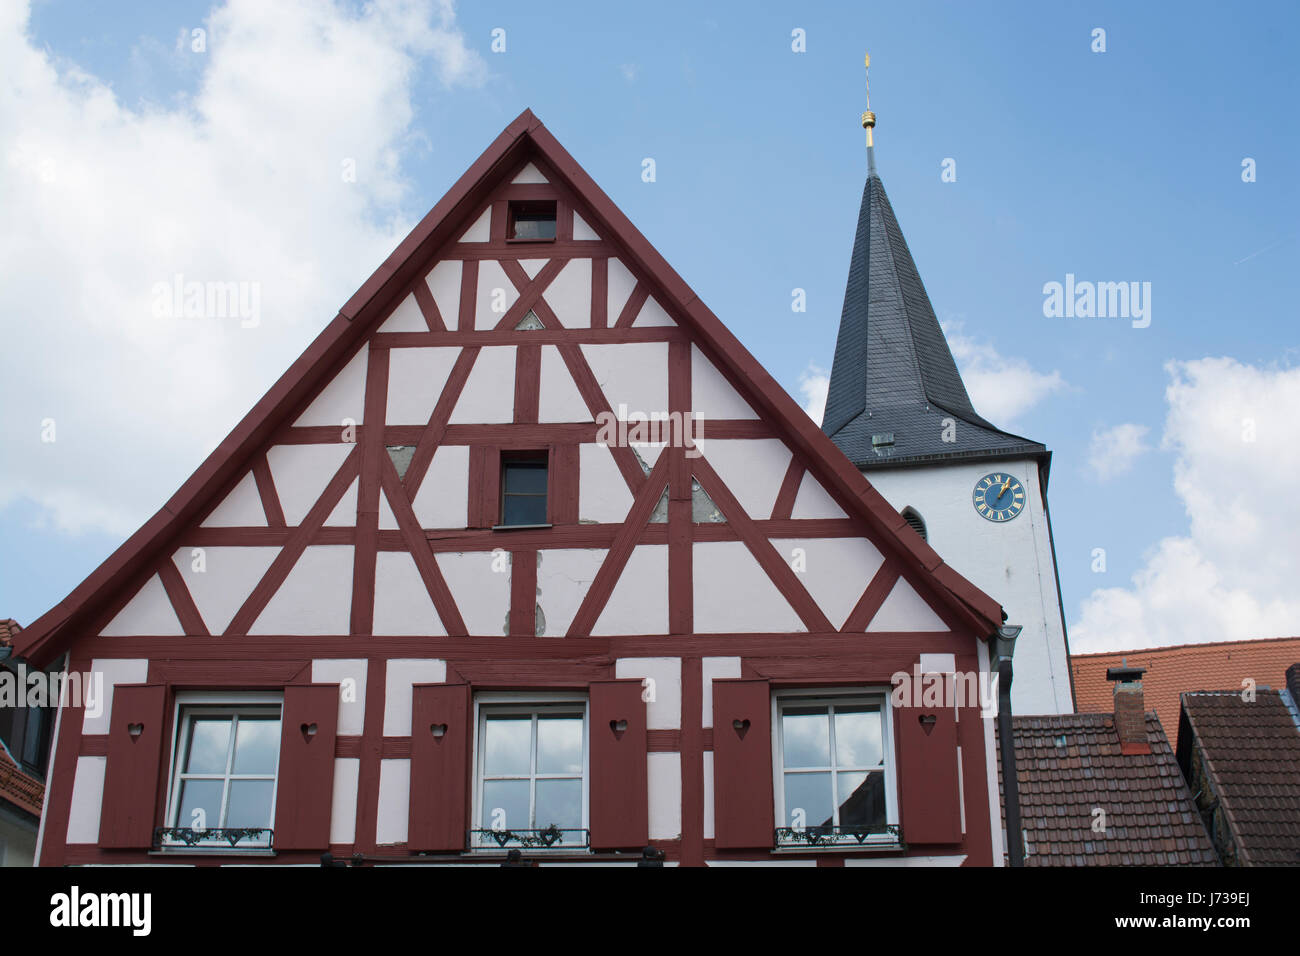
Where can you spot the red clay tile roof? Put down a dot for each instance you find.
(9, 629)
(1069, 764)
(1251, 755)
(18, 788)
(1183, 667)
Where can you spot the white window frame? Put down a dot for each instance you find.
(878, 696)
(209, 704)
(528, 703)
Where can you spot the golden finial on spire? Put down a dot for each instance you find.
(868, 118)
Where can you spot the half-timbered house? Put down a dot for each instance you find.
(444, 592)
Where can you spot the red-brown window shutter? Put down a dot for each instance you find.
(440, 771)
(742, 764)
(131, 780)
(305, 782)
(927, 770)
(619, 814)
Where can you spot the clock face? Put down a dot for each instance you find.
(998, 497)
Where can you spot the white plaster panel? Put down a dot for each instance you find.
(711, 394)
(352, 712)
(489, 393)
(559, 399)
(581, 230)
(87, 800)
(344, 396)
(905, 610)
(652, 315)
(814, 501)
(482, 595)
(343, 806)
(481, 231)
(316, 597)
(242, 508)
(345, 512)
(442, 501)
(631, 374)
(603, 495)
(494, 289)
(149, 613)
(407, 317)
(400, 676)
(664, 712)
(394, 802)
(664, 772)
(837, 571)
(301, 473)
(115, 670)
(751, 468)
(734, 594)
(228, 577)
(444, 282)
(709, 825)
(938, 663)
(416, 378)
(533, 266)
(529, 174)
(639, 602)
(563, 579)
(403, 607)
(569, 294)
(618, 288)
(711, 669)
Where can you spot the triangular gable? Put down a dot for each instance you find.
(633, 277)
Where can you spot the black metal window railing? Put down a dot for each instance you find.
(828, 836)
(551, 837)
(261, 838)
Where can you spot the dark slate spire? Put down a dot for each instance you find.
(893, 374)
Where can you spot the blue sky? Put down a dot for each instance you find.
(1117, 166)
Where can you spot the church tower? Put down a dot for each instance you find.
(898, 409)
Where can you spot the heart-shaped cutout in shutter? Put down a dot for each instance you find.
(135, 730)
(438, 730)
(741, 727)
(927, 722)
(618, 726)
(308, 732)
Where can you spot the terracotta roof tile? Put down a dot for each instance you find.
(1251, 754)
(9, 629)
(22, 791)
(1171, 670)
(1070, 765)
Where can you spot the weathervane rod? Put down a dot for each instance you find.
(868, 118)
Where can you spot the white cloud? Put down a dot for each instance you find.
(1232, 575)
(1113, 451)
(241, 182)
(813, 386)
(1000, 387)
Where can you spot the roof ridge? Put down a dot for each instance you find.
(1250, 641)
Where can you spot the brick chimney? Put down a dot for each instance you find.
(1130, 711)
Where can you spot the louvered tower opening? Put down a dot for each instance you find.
(914, 520)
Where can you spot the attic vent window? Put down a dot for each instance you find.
(523, 490)
(914, 520)
(882, 439)
(532, 220)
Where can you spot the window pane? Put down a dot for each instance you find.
(505, 805)
(200, 804)
(209, 744)
(507, 746)
(527, 478)
(250, 803)
(857, 737)
(528, 226)
(559, 802)
(807, 800)
(862, 799)
(559, 745)
(257, 745)
(807, 737)
(524, 509)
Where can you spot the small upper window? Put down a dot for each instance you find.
(523, 489)
(224, 776)
(532, 219)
